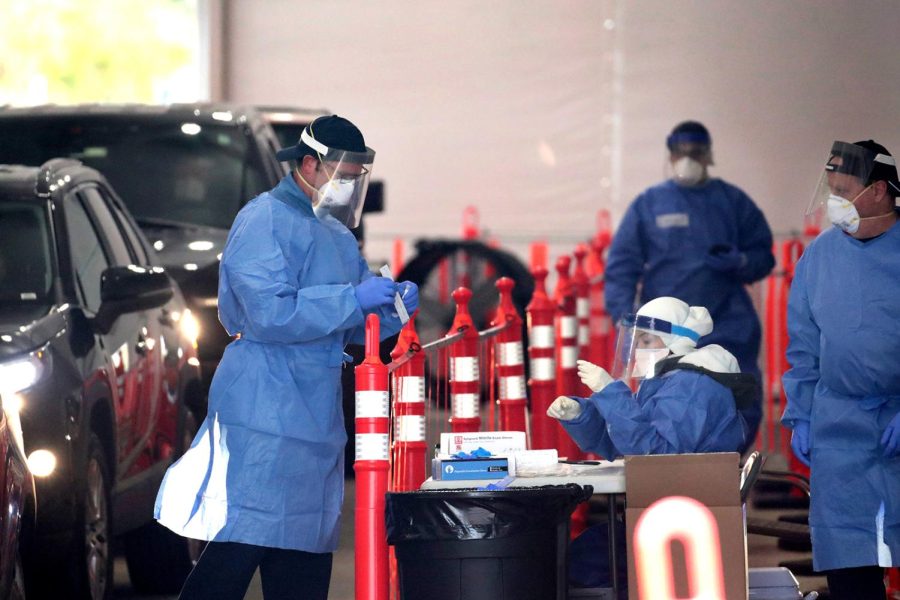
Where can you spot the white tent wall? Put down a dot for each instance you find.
(540, 112)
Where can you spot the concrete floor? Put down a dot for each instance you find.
(762, 551)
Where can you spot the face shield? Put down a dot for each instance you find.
(849, 171)
(642, 342)
(342, 195)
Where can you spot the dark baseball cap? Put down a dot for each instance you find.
(688, 132)
(331, 131)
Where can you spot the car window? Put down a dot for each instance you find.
(26, 271)
(132, 236)
(103, 203)
(88, 258)
(164, 171)
(109, 228)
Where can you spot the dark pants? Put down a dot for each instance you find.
(225, 569)
(859, 583)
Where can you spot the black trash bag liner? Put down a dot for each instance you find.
(435, 515)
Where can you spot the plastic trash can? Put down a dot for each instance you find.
(507, 544)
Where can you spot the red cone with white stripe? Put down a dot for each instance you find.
(465, 377)
(582, 286)
(540, 314)
(567, 382)
(371, 466)
(408, 386)
(511, 398)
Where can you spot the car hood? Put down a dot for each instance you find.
(189, 245)
(26, 329)
(190, 254)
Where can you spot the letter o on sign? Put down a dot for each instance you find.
(685, 520)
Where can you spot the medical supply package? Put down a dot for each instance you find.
(449, 468)
(713, 481)
(498, 443)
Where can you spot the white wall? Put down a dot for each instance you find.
(541, 112)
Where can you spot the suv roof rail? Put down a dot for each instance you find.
(48, 180)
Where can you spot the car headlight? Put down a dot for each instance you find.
(189, 327)
(22, 373)
(42, 463)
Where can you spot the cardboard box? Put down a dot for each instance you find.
(711, 479)
(449, 469)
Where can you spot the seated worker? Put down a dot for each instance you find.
(688, 399)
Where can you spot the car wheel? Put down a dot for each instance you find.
(92, 566)
(158, 559)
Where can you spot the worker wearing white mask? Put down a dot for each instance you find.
(700, 239)
(687, 399)
(843, 387)
(263, 481)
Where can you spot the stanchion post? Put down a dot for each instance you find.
(465, 379)
(566, 348)
(372, 469)
(540, 314)
(512, 397)
(581, 286)
(601, 330)
(408, 386)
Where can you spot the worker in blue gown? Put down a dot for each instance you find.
(700, 239)
(263, 479)
(687, 400)
(843, 386)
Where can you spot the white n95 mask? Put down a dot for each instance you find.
(687, 171)
(843, 213)
(336, 199)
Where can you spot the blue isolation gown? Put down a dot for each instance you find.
(661, 245)
(844, 351)
(266, 467)
(679, 412)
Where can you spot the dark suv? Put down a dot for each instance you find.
(107, 383)
(183, 170)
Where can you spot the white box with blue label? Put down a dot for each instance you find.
(450, 469)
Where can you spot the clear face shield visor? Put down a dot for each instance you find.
(847, 174)
(343, 194)
(641, 343)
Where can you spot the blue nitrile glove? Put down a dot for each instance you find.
(800, 441)
(375, 292)
(891, 438)
(478, 452)
(409, 293)
(725, 257)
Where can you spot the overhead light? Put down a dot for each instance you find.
(222, 115)
(190, 128)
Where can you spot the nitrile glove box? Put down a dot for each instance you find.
(495, 442)
(450, 469)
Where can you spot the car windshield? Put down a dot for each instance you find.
(167, 173)
(26, 269)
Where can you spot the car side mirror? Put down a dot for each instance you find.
(374, 201)
(130, 289)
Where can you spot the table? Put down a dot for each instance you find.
(606, 478)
